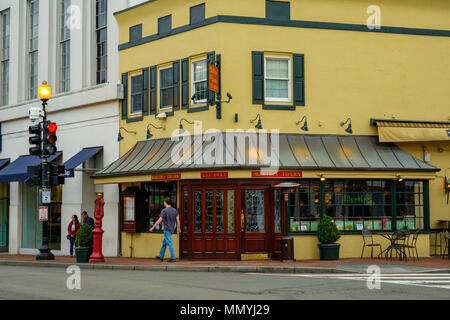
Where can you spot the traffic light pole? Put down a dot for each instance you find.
(45, 253)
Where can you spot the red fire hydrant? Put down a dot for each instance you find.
(97, 255)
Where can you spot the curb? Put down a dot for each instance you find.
(176, 268)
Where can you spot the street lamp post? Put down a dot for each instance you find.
(45, 253)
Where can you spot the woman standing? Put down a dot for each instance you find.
(73, 227)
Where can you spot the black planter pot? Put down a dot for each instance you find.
(83, 254)
(329, 251)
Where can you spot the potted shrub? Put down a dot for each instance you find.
(328, 234)
(83, 240)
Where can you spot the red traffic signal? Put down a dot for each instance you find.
(52, 127)
(50, 138)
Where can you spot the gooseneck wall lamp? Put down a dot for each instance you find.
(349, 129)
(399, 178)
(149, 134)
(259, 124)
(181, 125)
(120, 137)
(305, 125)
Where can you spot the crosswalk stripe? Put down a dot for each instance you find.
(430, 280)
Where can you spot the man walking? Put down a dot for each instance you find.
(169, 216)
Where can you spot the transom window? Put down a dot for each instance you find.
(277, 79)
(136, 94)
(166, 88)
(199, 83)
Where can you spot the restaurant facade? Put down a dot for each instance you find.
(258, 118)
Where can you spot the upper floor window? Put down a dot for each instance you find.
(199, 80)
(136, 92)
(64, 46)
(277, 79)
(165, 24)
(166, 88)
(4, 57)
(33, 37)
(101, 11)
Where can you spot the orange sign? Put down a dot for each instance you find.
(214, 175)
(280, 174)
(166, 177)
(213, 78)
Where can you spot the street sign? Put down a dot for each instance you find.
(46, 196)
(213, 78)
(43, 213)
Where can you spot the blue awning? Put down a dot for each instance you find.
(18, 170)
(79, 158)
(4, 162)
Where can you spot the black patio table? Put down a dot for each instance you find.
(391, 236)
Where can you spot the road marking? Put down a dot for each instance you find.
(430, 280)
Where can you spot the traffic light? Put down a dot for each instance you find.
(57, 175)
(36, 176)
(35, 140)
(50, 138)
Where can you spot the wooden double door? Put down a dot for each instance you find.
(223, 220)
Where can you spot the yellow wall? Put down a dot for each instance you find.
(146, 245)
(305, 247)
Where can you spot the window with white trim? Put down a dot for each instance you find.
(101, 11)
(199, 81)
(277, 82)
(64, 44)
(4, 57)
(136, 94)
(33, 43)
(165, 88)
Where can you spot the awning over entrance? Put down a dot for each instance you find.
(18, 170)
(4, 162)
(411, 131)
(235, 151)
(79, 158)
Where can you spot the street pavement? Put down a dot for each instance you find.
(32, 283)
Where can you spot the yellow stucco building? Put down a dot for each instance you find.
(353, 116)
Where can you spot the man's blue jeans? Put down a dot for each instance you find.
(167, 242)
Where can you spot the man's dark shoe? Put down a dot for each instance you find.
(172, 260)
(159, 258)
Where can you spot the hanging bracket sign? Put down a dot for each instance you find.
(213, 72)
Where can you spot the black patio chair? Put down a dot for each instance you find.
(368, 242)
(413, 245)
(446, 240)
(399, 245)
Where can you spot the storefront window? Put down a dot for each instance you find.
(359, 204)
(4, 208)
(185, 210)
(410, 205)
(31, 227)
(154, 195)
(303, 207)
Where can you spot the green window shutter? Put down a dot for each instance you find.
(210, 58)
(125, 96)
(153, 90)
(258, 77)
(299, 80)
(145, 91)
(176, 85)
(185, 83)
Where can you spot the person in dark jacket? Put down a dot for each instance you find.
(72, 228)
(86, 219)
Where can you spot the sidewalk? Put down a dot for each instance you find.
(432, 264)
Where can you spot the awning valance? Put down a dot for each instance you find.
(411, 131)
(17, 171)
(296, 152)
(79, 158)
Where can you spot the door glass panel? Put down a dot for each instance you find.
(255, 215)
(185, 210)
(230, 209)
(209, 211)
(219, 211)
(277, 211)
(198, 211)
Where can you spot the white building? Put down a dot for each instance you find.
(72, 44)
